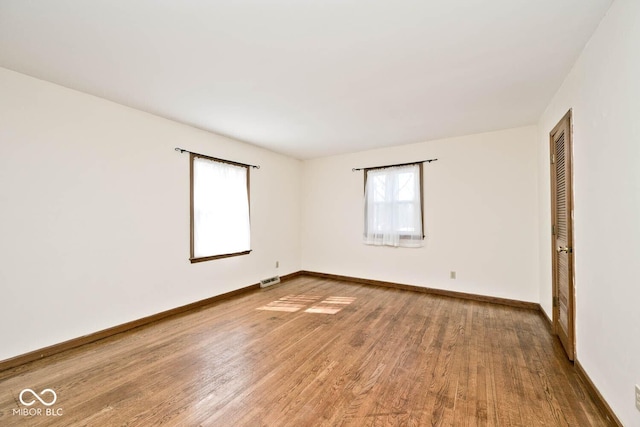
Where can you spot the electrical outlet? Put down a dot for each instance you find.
(452, 275)
(277, 264)
(638, 397)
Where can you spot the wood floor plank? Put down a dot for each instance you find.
(386, 357)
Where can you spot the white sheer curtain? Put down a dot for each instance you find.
(220, 208)
(393, 211)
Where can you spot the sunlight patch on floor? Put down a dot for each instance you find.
(290, 303)
(293, 303)
(331, 305)
(338, 300)
(323, 309)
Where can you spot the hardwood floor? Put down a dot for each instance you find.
(385, 357)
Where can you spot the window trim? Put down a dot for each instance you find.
(421, 177)
(192, 257)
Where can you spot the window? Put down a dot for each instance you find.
(219, 209)
(393, 206)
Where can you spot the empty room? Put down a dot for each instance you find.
(245, 213)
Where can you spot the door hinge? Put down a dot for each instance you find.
(553, 230)
(555, 301)
(553, 158)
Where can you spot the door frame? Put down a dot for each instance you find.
(571, 311)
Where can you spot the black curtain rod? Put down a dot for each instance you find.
(390, 166)
(182, 150)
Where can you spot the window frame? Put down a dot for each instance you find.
(421, 182)
(192, 258)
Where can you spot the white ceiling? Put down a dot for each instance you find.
(309, 78)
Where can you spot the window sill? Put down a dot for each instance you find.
(211, 258)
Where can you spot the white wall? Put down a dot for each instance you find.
(94, 218)
(604, 91)
(480, 216)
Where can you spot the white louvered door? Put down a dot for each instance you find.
(562, 230)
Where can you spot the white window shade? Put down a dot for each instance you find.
(393, 206)
(220, 216)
